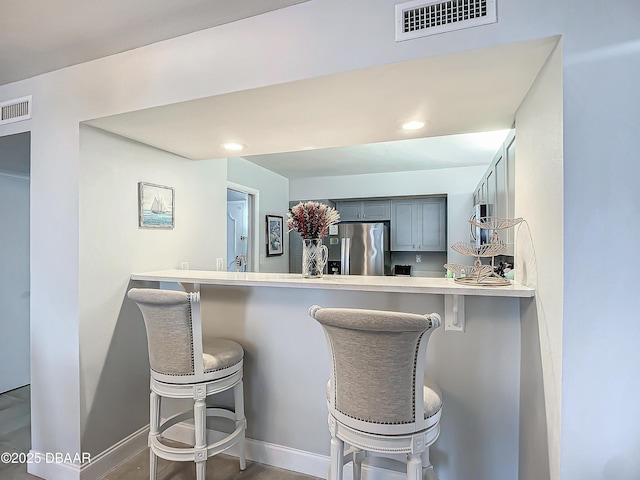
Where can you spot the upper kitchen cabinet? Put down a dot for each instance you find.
(364, 210)
(496, 188)
(419, 224)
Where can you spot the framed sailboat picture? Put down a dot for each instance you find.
(155, 206)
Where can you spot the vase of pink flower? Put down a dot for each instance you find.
(312, 221)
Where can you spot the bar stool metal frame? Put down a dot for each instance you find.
(378, 397)
(163, 309)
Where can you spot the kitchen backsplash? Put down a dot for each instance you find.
(431, 264)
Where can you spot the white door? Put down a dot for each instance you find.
(237, 232)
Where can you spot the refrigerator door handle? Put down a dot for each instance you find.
(344, 255)
(348, 256)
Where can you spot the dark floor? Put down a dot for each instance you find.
(15, 436)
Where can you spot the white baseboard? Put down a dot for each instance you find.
(264, 452)
(116, 455)
(40, 467)
(257, 451)
(288, 458)
(45, 466)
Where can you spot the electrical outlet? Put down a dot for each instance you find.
(418, 258)
(262, 259)
(184, 265)
(219, 264)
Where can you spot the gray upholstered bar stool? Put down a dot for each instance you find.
(378, 397)
(181, 369)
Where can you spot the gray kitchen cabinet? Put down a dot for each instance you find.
(404, 233)
(510, 153)
(419, 225)
(480, 194)
(496, 188)
(491, 192)
(364, 210)
(501, 200)
(349, 211)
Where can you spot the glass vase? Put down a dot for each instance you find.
(314, 257)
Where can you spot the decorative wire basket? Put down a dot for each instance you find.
(485, 250)
(495, 223)
(469, 270)
(476, 274)
(480, 274)
(491, 280)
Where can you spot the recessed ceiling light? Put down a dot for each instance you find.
(233, 146)
(413, 125)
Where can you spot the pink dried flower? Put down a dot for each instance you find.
(312, 219)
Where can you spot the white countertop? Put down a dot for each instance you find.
(445, 286)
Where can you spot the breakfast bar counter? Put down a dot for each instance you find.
(454, 293)
(474, 358)
(443, 286)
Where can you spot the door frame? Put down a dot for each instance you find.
(254, 223)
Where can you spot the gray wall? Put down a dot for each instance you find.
(113, 355)
(600, 205)
(14, 257)
(601, 329)
(287, 367)
(456, 183)
(15, 154)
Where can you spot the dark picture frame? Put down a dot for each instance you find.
(275, 235)
(156, 206)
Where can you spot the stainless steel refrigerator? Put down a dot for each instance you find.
(363, 248)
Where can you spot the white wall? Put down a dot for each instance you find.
(457, 183)
(539, 241)
(113, 358)
(319, 38)
(184, 68)
(601, 203)
(274, 200)
(14, 280)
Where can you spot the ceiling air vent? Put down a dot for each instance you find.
(15, 110)
(421, 18)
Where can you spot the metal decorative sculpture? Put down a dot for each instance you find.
(479, 274)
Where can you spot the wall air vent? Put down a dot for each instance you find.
(15, 110)
(422, 18)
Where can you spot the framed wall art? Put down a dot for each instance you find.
(275, 241)
(155, 206)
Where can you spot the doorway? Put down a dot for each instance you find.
(15, 156)
(241, 231)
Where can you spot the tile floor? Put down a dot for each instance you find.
(15, 431)
(15, 436)
(220, 467)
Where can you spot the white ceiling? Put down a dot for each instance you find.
(39, 36)
(468, 92)
(339, 125)
(429, 153)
